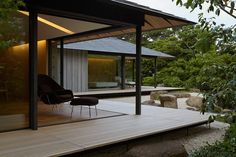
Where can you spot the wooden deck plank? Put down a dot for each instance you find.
(74, 137)
(49, 149)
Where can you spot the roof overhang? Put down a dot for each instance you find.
(120, 16)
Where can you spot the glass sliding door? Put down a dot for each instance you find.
(104, 72)
(14, 65)
(130, 69)
(54, 60)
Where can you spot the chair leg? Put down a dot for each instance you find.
(81, 110)
(89, 112)
(72, 109)
(50, 103)
(96, 110)
(61, 107)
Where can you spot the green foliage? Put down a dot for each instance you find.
(204, 58)
(11, 26)
(148, 81)
(222, 88)
(192, 73)
(185, 42)
(226, 148)
(216, 6)
(147, 67)
(231, 132)
(205, 55)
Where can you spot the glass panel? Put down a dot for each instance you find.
(54, 61)
(14, 100)
(103, 72)
(130, 70)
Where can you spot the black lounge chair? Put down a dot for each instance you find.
(52, 93)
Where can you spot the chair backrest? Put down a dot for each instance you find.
(46, 84)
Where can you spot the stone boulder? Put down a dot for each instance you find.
(180, 94)
(150, 102)
(191, 108)
(168, 100)
(172, 148)
(195, 101)
(195, 90)
(227, 110)
(155, 94)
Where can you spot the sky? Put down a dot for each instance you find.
(170, 7)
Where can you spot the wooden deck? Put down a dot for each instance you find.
(76, 137)
(109, 93)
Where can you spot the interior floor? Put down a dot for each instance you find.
(59, 114)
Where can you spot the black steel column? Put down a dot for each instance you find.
(155, 71)
(138, 69)
(33, 69)
(122, 72)
(62, 62)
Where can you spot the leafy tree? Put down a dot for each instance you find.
(186, 42)
(10, 31)
(216, 6)
(220, 89)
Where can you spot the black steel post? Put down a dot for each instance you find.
(138, 69)
(155, 71)
(33, 69)
(62, 62)
(122, 72)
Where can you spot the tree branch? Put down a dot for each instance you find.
(226, 6)
(222, 8)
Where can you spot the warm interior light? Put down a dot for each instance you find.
(50, 23)
(26, 46)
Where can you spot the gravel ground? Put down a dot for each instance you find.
(201, 136)
(198, 136)
(181, 101)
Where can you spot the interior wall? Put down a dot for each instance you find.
(102, 69)
(16, 58)
(42, 57)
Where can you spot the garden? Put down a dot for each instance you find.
(206, 61)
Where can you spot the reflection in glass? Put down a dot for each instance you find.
(103, 72)
(14, 101)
